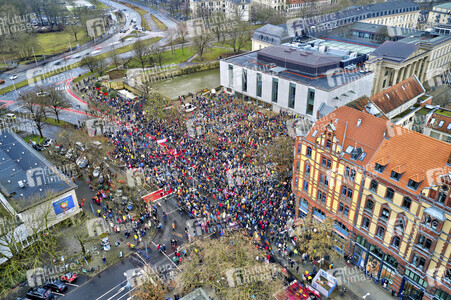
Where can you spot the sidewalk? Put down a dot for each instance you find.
(354, 280)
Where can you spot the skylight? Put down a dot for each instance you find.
(432, 121)
(449, 126)
(440, 124)
(349, 149)
(314, 133)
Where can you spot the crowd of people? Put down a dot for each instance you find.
(216, 170)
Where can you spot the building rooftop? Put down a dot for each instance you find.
(398, 94)
(324, 82)
(444, 5)
(273, 34)
(21, 163)
(440, 120)
(395, 51)
(359, 103)
(360, 133)
(413, 156)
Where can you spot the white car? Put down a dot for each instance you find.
(13, 77)
(47, 142)
(188, 107)
(96, 172)
(82, 162)
(42, 94)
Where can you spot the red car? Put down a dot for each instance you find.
(69, 277)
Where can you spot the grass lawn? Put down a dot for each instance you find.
(53, 121)
(169, 58)
(140, 11)
(130, 47)
(34, 138)
(213, 53)
(257, 26)
(159, 23)
(55, 42)
(247, 45)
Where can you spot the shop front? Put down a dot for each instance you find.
(413, 286)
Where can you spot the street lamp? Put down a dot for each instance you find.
(367, 294)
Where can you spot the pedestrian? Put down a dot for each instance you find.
(104, 260)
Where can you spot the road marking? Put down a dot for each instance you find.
(61, 134)
(58, 294)
(68, 283)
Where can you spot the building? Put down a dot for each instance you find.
(269, 35)
(296, 78)
(440, 14)
(278, 5)
(293, 6)
(407, 19)
(388, 190)
(33, 191)
(438, 124)
(231, 8)
(427, 56)
(323, 23)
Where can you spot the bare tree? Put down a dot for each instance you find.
(238, 33)
(35, 106)
(201, 42)
(157, 53)
(56, 102)
(91, 62)
(115, 58)
(171, 35)
(141, 52)
(102, 65)
(182, 32)
(213, 262)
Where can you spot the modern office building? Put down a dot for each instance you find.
(438, 124)
(388, 190)
(296, 78)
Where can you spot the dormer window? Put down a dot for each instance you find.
(379, 168)
(413, 184)
(395, 175)
(328, 143)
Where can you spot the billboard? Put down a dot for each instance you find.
(63, 205)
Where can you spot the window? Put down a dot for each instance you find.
(418, 261)
(321, 177)
(366, 223)
(344, 190)
(326, 181)
(441, 197)
(259, 84)
(324, 198)
(340, 208)
(389, 194)
(395, 176)
(297, 165)
(352, 177)
(370, 205)
(400, 224)
(292, 95)
(309, 152)
(328, 164)
(385, 214)
(346, 211)
(320, 195)
(324, 161)
(305, 186)
(373, 185)
(299, 148)
(441, 295)
(328, 143)
(413, 184)
(349, 193)
(307, 169)
(396, 242)
(231, 75)
(380, 232)
(244, 80)
(347, 172)
(406, 203)
(275, 89)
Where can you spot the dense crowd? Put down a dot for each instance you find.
(217, 175)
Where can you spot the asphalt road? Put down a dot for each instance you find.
(112, 283)
(30, 71)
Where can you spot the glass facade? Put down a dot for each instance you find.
(292, 95)
(244, 80)
(231, 75)
(310, 101)
(259, 84)
(275, 89)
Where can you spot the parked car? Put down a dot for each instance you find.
(58, 148)
(56, 285)
(80, 146)
(2, 81)
(13, 77)
(82, 162)
(63, 151)
(37, 147)
(41, 293)
(69, 277)
(47, 142)
(42, 94)
(187, 107)
(96, 172)
(70, 153)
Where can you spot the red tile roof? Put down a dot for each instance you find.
(395, 96)
(441, 121)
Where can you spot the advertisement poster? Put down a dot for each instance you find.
(63, 206)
